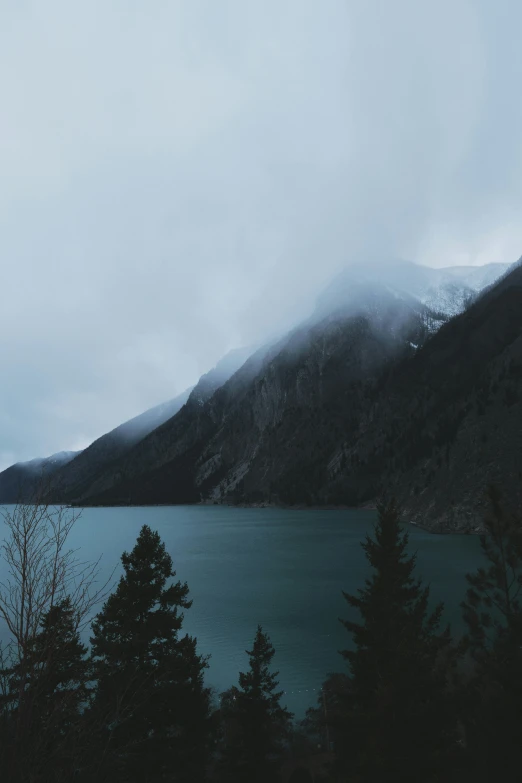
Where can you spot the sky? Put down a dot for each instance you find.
(181, 178)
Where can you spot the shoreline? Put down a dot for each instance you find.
(301, 507)
(365, 507)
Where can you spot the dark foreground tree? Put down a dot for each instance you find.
(255, 725)
(397, 721)
(301, 775)
(46, 596)
(44, 697)
(493, 615)
(150, 695)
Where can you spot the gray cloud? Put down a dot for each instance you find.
(179, 178)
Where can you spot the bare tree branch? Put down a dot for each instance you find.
(43, 571)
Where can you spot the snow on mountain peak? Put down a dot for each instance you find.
(447, 291)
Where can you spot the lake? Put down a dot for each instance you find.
(283, 569)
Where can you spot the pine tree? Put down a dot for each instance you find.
(47, 693)
(150, 695)
(255, 724)
(328, 712)
(396, 719)
(493, 614)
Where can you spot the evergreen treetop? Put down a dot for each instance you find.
(150, 691)
(493, 614)
(396, 626)
(141, 618)
(255, 724)
(46, 695)
(394, 717)
(492, 609)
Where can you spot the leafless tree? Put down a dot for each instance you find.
(40, 571)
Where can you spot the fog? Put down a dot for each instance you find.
(178, 179)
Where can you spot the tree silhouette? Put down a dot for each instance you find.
(255, 725)
(44, 700)
(493, 615)
(395, 715)
(150, 695)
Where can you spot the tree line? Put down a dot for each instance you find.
(411, 704)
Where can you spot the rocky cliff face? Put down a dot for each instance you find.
(81, 472)
(439, 426)
(376, 392)
(105, 462)
(376, 396)
(449, 422)
(285, 407)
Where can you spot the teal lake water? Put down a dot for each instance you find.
(283, 569)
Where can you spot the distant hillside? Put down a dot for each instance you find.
(56, 474)
(20, 481)
(444, 424)
(109, 453)
(84, 469)
(181, 433)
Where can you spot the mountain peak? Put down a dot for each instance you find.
(447, 291)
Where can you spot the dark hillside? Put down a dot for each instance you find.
(287, 407)
(449, 421)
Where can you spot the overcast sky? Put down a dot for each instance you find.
(181, 178)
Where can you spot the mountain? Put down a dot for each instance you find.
(20, 481)
(446, 423)
(247, 432)
(476, 277)
(182, 432)
(223, 370)
(25, 480)
(90, 467)
(109, 447)
(375, 391)
(446, 291)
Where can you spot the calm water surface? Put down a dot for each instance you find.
(283, 569)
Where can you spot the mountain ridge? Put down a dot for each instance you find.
(19, 481)
(340, 408)
(188, 442)
(314, 423)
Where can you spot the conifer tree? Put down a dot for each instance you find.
(255, 724)
(396, 718)
(493, 614)
(44, 701)
(328, 712)
(150, 694)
